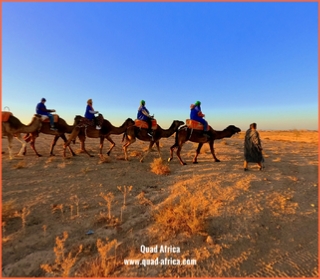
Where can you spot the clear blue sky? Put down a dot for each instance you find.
(246, 62)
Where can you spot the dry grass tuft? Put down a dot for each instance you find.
(143, 200)
(62, 165)
(76, 201)
(186, 214)
(135, 154)
(8, 209)
(63, 263)
(23, 215)
(120, 157)
(103, 219)
(20, 165)
(158, 166)
(105, 264)
(108, 198)
(86, 170)
(293, 178)
(50, 159)
(104, 159)
(281, 204)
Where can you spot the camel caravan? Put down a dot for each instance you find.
(144, 128)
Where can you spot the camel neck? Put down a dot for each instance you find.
(223, 134)
(34, 125)
(118, 130)
(168, 132)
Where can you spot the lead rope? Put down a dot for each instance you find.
(190, 133)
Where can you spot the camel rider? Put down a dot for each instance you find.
(90, 112)
(45, 113)
(143, 114)
(197, 115)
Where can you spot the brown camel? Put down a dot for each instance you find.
(62, 128)
(13, 128)
(90, 131)
(141, 133)
(184, 134)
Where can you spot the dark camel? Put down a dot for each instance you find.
(141, 133)
(184, 134)
(90, 131)
(62, 128)
(13, 127)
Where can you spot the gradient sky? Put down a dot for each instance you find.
(246, 62)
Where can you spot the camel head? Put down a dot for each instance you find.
(177, 124)
(232, 129)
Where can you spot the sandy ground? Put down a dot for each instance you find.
(255, 223)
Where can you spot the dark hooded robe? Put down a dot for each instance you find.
(252, 147)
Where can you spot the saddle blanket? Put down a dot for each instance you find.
(6, 115)
(46, 118)
(193, 124)
(143, 124)
(84, 122)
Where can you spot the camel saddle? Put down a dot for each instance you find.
(55, 118)
(143, 124)
(6, 115)
(85, 122)
(196, 125)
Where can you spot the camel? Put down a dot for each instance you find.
(13, 128)
(184, 134)
(62, 128)
(141, 133)
(90, 131)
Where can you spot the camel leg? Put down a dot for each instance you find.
(112, 145)
(27, 138)
(148, 151)
(10, 137)
(71, 138)
(197, 153)
(32, 145)
(125, 148)
(178, 155)
(101, 146)
(84, 149)
(54, 141)
(23, 145)
(158, 148)
(211, 143)
(171, 151)
(63, 136)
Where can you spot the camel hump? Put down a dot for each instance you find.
(6, 115)
(143, 124)
(55, 118)
(193, 124)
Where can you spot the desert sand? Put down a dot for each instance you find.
(84, 217)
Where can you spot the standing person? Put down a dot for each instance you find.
(42, 110)
(252, 147)
(197, 115)
(143, 114)
(90, 112)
